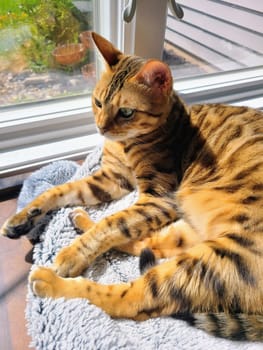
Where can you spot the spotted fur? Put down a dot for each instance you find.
(199, 173)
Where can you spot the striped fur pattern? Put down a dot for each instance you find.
(199, 172)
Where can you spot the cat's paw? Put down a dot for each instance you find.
(80, 220)
(44, 282)
(21, 223)
(70, 262)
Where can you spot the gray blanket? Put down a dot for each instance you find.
(78, 325)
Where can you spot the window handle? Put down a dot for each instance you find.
(176, 9)
(130, 9)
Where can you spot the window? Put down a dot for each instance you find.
(215, 36)
(216, 51)
(47, 71)
(45, 51)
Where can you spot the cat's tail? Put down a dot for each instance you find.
(234, 326)
(230, 326)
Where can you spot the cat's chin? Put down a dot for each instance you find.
(120, 137)
(116, 137)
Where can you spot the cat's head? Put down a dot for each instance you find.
(133, 95)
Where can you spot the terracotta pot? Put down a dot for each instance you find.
(86, 39)
(69, 53)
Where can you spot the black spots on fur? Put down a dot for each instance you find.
(240, 218)
(238, 261)
(147, 177)
(208, 160)
(151, 312)
(247, 172)
(100, 193)
(235, 304)
(104, 175)
(187, 317)
(147, 216)
(124, 293)
(152, 283)
(240, 240)
(180, 242)
(123, 227)
(161, 210)
(232, 132)
(229, 188)
(212, 280)
(235, 133)
(182, 301)
(81, 197)
(123, 182)
(147, 260)
(207, 275)
(244, 242)
(257, 187)
(250, 199)
(152, 191)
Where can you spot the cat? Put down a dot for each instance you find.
(199, 174)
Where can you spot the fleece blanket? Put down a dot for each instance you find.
(78, 325)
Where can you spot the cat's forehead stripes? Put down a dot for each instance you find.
(127, 67)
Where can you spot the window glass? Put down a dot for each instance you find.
(45, 50)
(214, 36)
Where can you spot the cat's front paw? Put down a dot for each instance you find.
(70, 262)
(21, 223)
(80, 220)
(45, 283)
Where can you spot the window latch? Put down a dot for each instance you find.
(130, 9)
(176, 9)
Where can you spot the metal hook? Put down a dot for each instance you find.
(129, 11)
(176, 9)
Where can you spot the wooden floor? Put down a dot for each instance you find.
(13, 286)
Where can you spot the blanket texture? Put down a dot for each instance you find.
(78, 325)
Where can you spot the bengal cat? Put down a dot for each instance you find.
(199, 173)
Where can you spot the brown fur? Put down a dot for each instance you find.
(202, 165)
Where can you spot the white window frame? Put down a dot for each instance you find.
(42, 132)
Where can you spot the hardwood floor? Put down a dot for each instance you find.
(13, 286)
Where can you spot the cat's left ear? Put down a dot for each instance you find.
(157, 76)
(110, 54)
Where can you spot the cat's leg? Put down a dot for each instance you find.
(103, 186)
(113, 231)
(209, 277)
(168, 242)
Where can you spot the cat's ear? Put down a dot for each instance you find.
(155, 75)
(110, 54)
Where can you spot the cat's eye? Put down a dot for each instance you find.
(97, 103)
(126, 113)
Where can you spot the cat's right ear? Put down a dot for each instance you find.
(110, 54)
